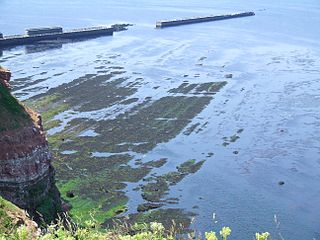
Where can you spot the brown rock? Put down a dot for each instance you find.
(5, 76)
(26, 173)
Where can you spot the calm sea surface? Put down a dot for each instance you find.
(260, 128)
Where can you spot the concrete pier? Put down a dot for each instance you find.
(35, 35)
(177, 22)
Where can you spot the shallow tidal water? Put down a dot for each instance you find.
(147, 115)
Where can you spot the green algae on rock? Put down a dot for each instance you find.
(157, 187)
(168, 217)
(233, 138)
(98, 167)
(209, 88)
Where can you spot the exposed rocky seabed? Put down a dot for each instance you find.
(214, 119)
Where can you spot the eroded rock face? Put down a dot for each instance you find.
(5, 76)
(26, 173)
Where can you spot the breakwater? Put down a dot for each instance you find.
(55, 33)
(177, 22)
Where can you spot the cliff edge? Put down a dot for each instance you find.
(12, 217)
(26, 173)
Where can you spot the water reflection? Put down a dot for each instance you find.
(142, 96)
(42, 46)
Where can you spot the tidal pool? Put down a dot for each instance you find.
(146, 124)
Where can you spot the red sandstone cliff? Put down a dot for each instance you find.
(26, 173)
(5, 76)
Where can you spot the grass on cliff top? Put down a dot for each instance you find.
(23, 229)
(6, 209)
(13, 115)
(11, 218)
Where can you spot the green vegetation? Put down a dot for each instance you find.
(157, 187)
(152, 231)
(14, 225)
(50, 113)
(43, 102)
(5, 209)
(11, 217)
(49, 207)
(209, 88)
(12, 114)
(49, 106)
(102, 204)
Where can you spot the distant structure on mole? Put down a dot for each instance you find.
(177, 22)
